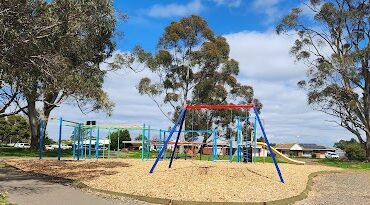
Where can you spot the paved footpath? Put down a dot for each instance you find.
(26, 189)
(349, 187)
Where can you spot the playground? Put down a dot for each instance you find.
(226, 170)
(188, 180)
(231, 172)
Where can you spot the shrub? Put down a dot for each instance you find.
(354, 150)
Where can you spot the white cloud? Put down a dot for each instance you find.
(265, 64)
(174, 10)
(267, 7)
(271, 49)
(131, 107)
(228, 3)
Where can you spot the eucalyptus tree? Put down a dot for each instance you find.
(50, 52)
(335, 46)
(191, 65)
(14, 128)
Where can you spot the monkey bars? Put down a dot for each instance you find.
(181, 118)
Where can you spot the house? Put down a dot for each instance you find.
(223, 148)
(304, 150)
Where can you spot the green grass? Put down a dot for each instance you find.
(18, 152)
(132, 154)
(345, 164)
(3, 200)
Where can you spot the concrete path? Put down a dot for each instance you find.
(349, 187)
(26, 189)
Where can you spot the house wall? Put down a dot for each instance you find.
(261, 152)
(307, 154)
(221, 151)
(207, 150)
(320, 154)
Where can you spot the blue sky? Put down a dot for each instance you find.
(265, 63)
(148, 18)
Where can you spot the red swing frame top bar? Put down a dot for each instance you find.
(220, 106)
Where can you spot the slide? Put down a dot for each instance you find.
(281, 155)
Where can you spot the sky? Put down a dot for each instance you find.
(265, 63)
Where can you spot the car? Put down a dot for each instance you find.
(103, 148)
(331, 155)
(63, 146)
(49, 147)
(22, 145)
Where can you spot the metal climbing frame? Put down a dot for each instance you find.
(83, 132)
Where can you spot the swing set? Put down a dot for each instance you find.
(180, 121)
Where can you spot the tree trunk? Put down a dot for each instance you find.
(367, 147)
(34, 123)
(46, 121)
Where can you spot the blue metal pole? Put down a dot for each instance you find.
(214, 147)
(163, 147)
(159, 141)
(90, 146)
(198, 131)
(60, 138)
(177, 140)
(79, 142)
(97, 144)
(149, 145)
(82, 143)
(74, 144)
(142, 142)
(230, 150)
(255, 139)
(272, 154)
(238, 140)
(41, 140)
(179, 119)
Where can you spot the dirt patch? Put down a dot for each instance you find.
(76, 170)
(349, 187)
(188, 180)
(23, 188)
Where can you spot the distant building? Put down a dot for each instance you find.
(304, 150)
(340, 153)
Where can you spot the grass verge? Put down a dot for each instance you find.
(3, 200)
(346, 164)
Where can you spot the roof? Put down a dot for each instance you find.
(302, 146)
(284, 146)
(312, 146)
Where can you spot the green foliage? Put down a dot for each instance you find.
(139, 137)
(14, 129)
(51, 51)
(4, 200)
(123, 135)
(354, 150)
(49, 141)
(193, 66)
(335, 46)
(346, 165)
